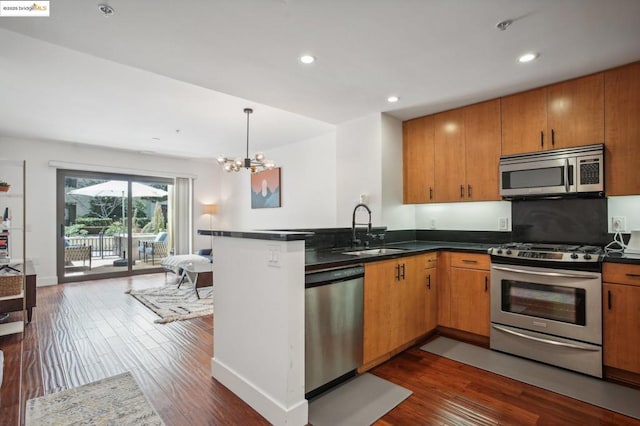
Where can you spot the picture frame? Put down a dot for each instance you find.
(266, 189)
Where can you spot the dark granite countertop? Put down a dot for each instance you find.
(332, 258)
(623, 258)
(258, 235)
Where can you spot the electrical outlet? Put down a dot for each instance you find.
(619, 223)
(503, 223)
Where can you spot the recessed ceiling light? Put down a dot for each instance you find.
(527, 57)
(307, 59)
(393, 99)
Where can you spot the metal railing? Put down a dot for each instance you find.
(101, 245)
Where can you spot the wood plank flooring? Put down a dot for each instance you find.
(86, 331)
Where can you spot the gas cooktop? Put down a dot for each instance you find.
(549, 252)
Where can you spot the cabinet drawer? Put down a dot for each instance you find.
(621, 273)
(430, 260)
(470, 261)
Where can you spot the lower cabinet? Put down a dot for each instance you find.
(464, 290)
(399, 303)
(621, 317)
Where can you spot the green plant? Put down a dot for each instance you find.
(114, 228)
(3, 183)
(75, 229)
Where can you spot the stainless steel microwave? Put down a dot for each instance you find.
(562, 172)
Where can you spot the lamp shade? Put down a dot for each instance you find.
(210, 208)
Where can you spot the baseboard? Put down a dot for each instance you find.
(622, 377)
(272, 410)
(463, 336)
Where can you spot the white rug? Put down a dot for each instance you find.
(358, 402)
(171, 303)
(594, 391)
(114, 401)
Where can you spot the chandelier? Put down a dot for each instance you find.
(257, 163)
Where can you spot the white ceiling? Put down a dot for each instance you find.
(182, 71)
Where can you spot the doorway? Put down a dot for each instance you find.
(112, 224)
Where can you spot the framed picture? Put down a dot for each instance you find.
(265, 189)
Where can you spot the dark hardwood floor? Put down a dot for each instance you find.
(86, 331)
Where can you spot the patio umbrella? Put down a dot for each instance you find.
(118, 188)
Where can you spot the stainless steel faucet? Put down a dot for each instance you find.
(354, 240)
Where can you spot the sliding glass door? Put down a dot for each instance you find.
(112, 224)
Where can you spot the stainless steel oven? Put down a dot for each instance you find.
(547, 306)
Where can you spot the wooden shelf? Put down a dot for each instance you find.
(11, 328)
(13, 296)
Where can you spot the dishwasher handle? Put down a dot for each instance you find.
(330, 276)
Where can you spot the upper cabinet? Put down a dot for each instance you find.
(450, 155)
(562, 115)
(622, 136)
(467, 149)
(418, 160)
(482, 150)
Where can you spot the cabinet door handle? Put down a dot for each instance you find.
(429, 281)
(609, 299)
(430, 193)
(541, 138)
(469, 261)
(468, 190)
(398, 272)
(461, 191)
(486, 284)
(403, 270)
(633, 275)
(553, 137)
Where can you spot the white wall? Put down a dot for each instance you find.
(629, 208)
(41, 224)
(358, 163)
(395, 215)
(308, 190)
(472, 216)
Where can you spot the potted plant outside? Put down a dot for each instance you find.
(4, 186)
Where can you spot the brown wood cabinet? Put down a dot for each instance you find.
(621, 316)
(430, 293)
(562, 115)
(450, 156)
(465, 293)
(622, 130)
(397, 293)
(467, 149)
(418, 160)
(482, 151)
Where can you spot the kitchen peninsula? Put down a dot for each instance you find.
(258, 335)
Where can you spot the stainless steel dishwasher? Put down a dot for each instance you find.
(333, 326)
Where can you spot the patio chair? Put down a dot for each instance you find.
(153, 248)
(76, 253)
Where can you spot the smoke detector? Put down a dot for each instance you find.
(106, 10)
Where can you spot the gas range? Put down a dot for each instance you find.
(548, 252)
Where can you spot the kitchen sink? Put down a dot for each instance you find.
(368, 252)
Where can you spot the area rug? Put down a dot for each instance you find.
(594, 391)
(115, 400)
(171, 303)
(360, 401)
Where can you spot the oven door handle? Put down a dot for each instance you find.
(544, 274)
(547, 341)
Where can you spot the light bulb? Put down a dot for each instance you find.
(269, 164)
(238, 162)
(221, 159)
(228, 166)
(260, 156)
